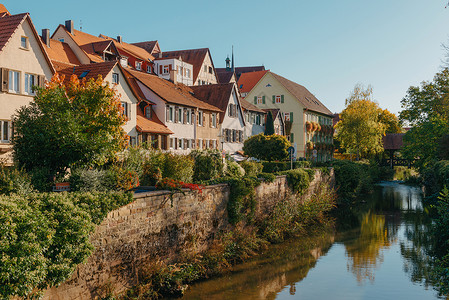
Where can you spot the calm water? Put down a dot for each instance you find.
(378, 251)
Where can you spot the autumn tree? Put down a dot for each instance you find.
(69, 124)
(390, 120)
(359, 130)
(426, 109)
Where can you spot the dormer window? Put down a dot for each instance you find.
(24, 42)
(148, 69)
(115, 78)
(61, 40)
(138, 65)
(166, 70)
(148, 112)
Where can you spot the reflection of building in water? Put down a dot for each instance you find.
(364, 252)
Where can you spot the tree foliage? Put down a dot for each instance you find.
(68, 124)
(360, 129)
(390, 120)
(426, 109)
(267, 147)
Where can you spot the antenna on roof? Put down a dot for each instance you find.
(232, 63)
(81, 25)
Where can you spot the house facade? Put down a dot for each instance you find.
(24, 64)
(255, 119)
(231, 122)
(183, 71)
(297, 106)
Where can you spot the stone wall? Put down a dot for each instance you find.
(158, 224)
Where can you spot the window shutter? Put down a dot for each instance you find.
(169, 67)
(176, 114)
(167, 113)
(263, 99)
(204, 144)
(41, 81)
(176, 143)
(184, 116)
(160, 69)
(204, 119)
(292, 140)
(274, 99)
(291, 117)
(5, 79)
(235, 110)
(210, 120)
(241, 136)
(255, 99)
(282, 98)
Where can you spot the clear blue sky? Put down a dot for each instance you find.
(328, 46)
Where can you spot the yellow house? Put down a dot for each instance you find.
(23, 64)
(268, 90)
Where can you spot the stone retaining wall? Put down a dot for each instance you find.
(159, 224)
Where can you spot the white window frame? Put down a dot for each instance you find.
(278, 99)
(148, 69)
(187, 73)
(200, 118)
(14, 82)
(171, 114)
(5, 133)
(115, 78)
(166, 69)
(24, 39)
(138, 65)
(180, 115)
(287, 116)
(30, 83)
(188, 117)
(259, 99)
(214, 120)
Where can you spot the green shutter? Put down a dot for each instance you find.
(274, 99)
(292, 139)
(282, 98)
(291, 117)
(255, 99)
(263, 99)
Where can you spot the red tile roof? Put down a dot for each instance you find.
(151, 46)
(224, 76)
(393, 141)
(170, 92)
(248, 80)
(134, 50)
(246, 105)
(194, 57)
(61, 52)
(93, 70)
(215, 94)
(9, 25)
(306, 98)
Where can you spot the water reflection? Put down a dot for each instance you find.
(380, 251)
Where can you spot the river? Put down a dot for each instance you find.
(376, 251)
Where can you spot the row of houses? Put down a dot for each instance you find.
(176, 100)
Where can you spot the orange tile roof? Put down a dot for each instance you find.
(93, 70)
(248, 80)
(194, 57)
(170, 92)
(151, 126)
(61, 52)
(246, 105)
(4, 11)
(131, 49)
(9, 25)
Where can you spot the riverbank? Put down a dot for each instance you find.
(166, 228)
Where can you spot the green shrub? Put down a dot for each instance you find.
(278, 166)
(267, 147)
(267, 177)
(88, 180)
(208, 165)
(41, 179)
(352, 179)
(242, 203)
(251, 168)
(299, 179)
(153, 168)
(178, 167)
(233, 169)
(120, 179)
(13, 180)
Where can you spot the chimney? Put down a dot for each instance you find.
(173, 76)
(119, 39)
(69, 26)
(46, 36)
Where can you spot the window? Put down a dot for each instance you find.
(188, 73)
(166, 70)
(4, 131)
(180, 143)
(200, 118)
(172, 142)
(14, 80)
(115, 78)
(169, 113)
(287, 116)
(61, 40)
(24, 42)
(30, 81)
(180, 115)
(214, 120)
(210, 70)
(205, 68)
(138, 65)
(180, 70)
(259, 100)
(188, 121)
(148, 69)
(126, 109)
(200, 144)
(148, 112)
(278, 99)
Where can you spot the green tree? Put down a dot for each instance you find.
(426, 109)
(391, 121)
(269, 125)
(72, 124)
(359, 130)
(267, 147)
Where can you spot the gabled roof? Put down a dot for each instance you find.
(90, 70)
(215, 94)
(131, 49)
(248, 80)
(61, 52)
(194, 57)
(3, 11)
(306, 98)
(170, 92)
(8, 26)
(241, 70)
(246, 105)
(152, 47)
(223, 75)
(150, 126)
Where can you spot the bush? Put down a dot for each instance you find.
(233, 169)
(178, 167)
(208, 165)
(120, 179)
(42, 179)
(251, 168)
(299, 179)
(13, 180)
(88, 180)
(267, 147)
(278, 166)
(352, 179)
(242, 203)
(153, 168)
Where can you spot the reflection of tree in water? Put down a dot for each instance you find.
(364, 252)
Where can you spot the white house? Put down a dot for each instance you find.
(183, 70)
